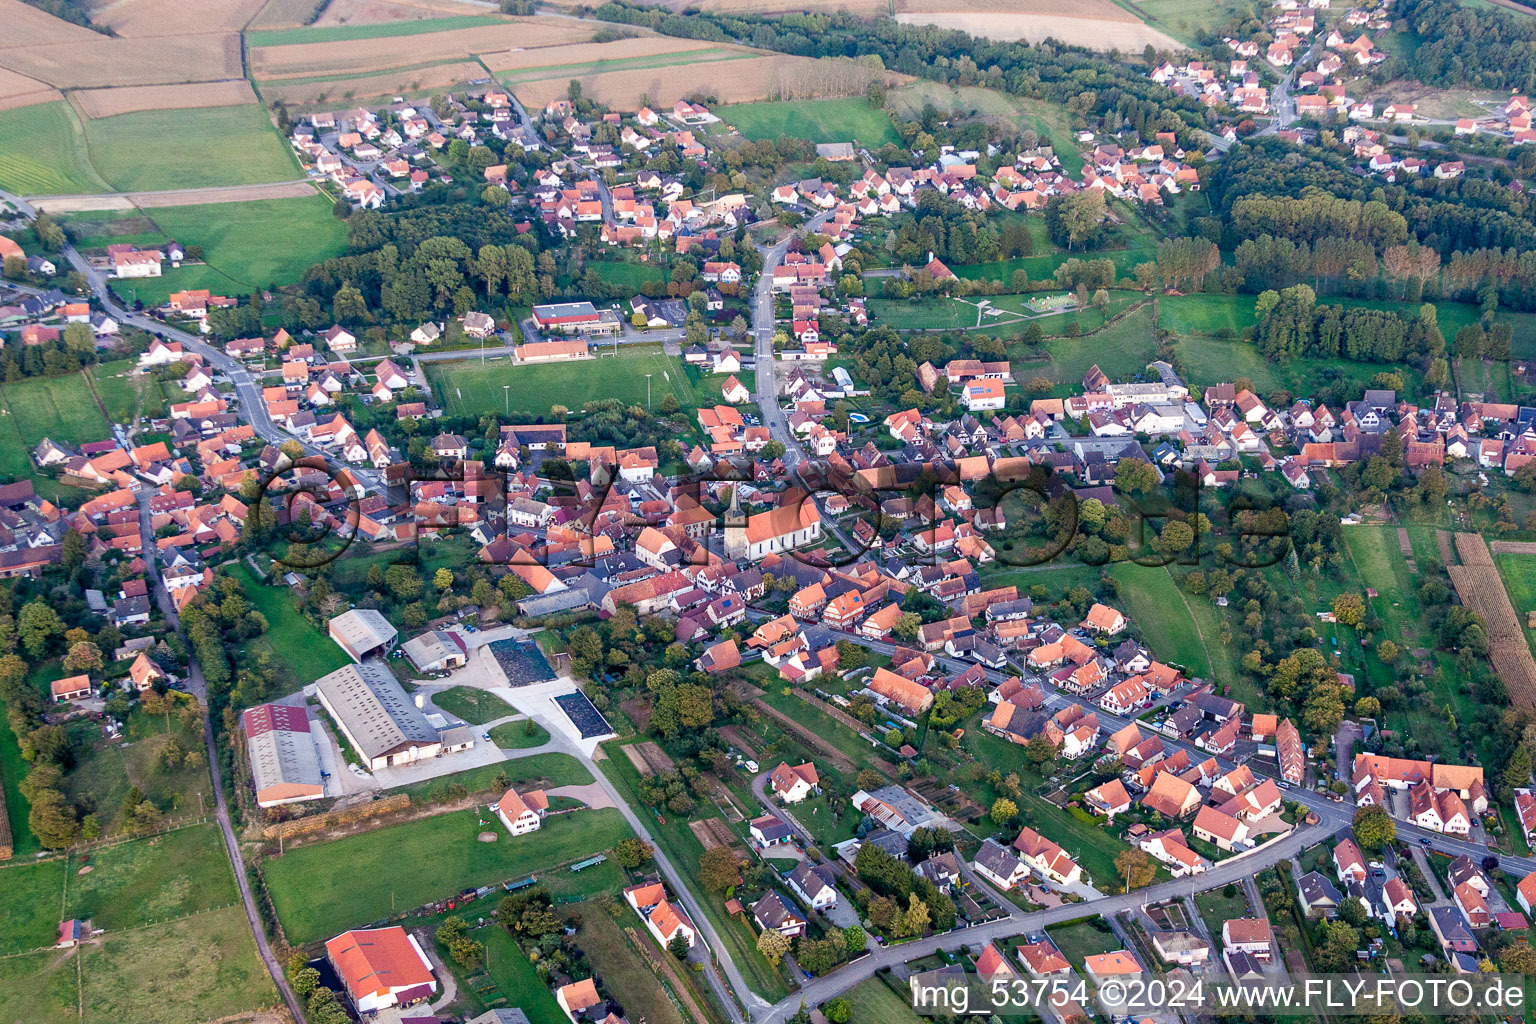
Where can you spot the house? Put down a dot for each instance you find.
(792, 784)
(1349, 862)
(663, 919)
(381, 967)
(70, 688)
(1220, 829)
(1171, 796)
(1102, 966)
(999, 865)
(280, 748)
(1246, 935)
(577, 998)
(1318, 895)
(769, 831)
(1525, 893)
(814, 884)
(1043, 960)
(1047, 858)
(1109, 799)
(773, 913)
(1104, 619)
(1181, 947)
(516, 814)
(1172, 849)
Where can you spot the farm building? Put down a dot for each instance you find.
(376, 717)
(381, 967)
(285, 767)
(435, 651)
(362, 631)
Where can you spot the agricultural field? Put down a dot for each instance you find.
(97, 103)
(377, 30)
(469, 388)
(43, 151)
(314, 887)
(413, 81)
(1519, 575)
(174, 149)
(1095, 24)
(18, 90)
(77, 58)
(742, 79)
(180, 972)
(246, 245)
(615, 55)
(1183, 20)
(336, 57)
(814, 120)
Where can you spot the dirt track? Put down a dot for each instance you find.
(178, 197)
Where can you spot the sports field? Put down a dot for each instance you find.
(468, 388)
(816, 120)
(246, 246)
(154, 150)
(317, 891)
(43, 152)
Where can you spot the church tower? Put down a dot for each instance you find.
(735, 527)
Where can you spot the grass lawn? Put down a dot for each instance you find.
(14, 768)
(1519, 574)
(1212, 361)
(1182, 19)
(1043, 267)
(553, 770)
(514, 735)
(842, 120)
(125, 397)
(43, 152)
(104, 771)
(516, 980)
(292, 641)
(1081, 939)
(40, 988)
(874, 1000)
(630, 275)
(1158, 614)
(470, 388)
(1123, 349)
(181, 972)
(1215, 908)
(169, 149)
(341, 33)
(149, 880)
(246, 246)
(61, 408)
(621, 967)
(31, 895)
(316, 892)
(474, 706)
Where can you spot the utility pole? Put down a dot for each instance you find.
(647, 392)
(506, 398)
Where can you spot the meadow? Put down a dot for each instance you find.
(325, 888)
(127, 396)
(290, 639)
(470, 388)
(156, 150)
(43, 152)
(60, 408)
(842, 120)
(1050, 121)
(1182, 19)
(382, 30)
(1212, 361)
(1122, 350)
(246, 246)
(1519, 575)
(1158, 613)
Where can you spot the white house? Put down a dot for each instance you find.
(516, 814)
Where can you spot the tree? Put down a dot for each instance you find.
(773, 946)
(1136, 868)
(443, 578)
(854, 939)
(837, 1011)
(678, 947)
(1003, 810)
(632, 852)
(37, 625)
(1374, 828)
(1352, 911)
(83, 657)
(719, 869)
(1349, 609)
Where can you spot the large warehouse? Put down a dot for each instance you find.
(285, 767)
(376, 716)
(362, 631)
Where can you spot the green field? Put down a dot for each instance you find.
(320, 890)
(180, 972)
(1212, 361)
(622, 968)
(1158, 614)
(127, 396)
(512, 735)
(1184, 20)
(874, 1000)
(1050, 121)
(846, 120)
(60, 408)
(517, 980)
(1042, 268)
(1081, 939)
(43, 152)
(104, 771)
(170, 149)
(246, 246)
(31, 900)
(706, 55)
(1519, 574)
(630, 275)
(474, 706)
(14, 768)
(291, 640)
(470, 388)
(342, 33)
(1122, 350)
